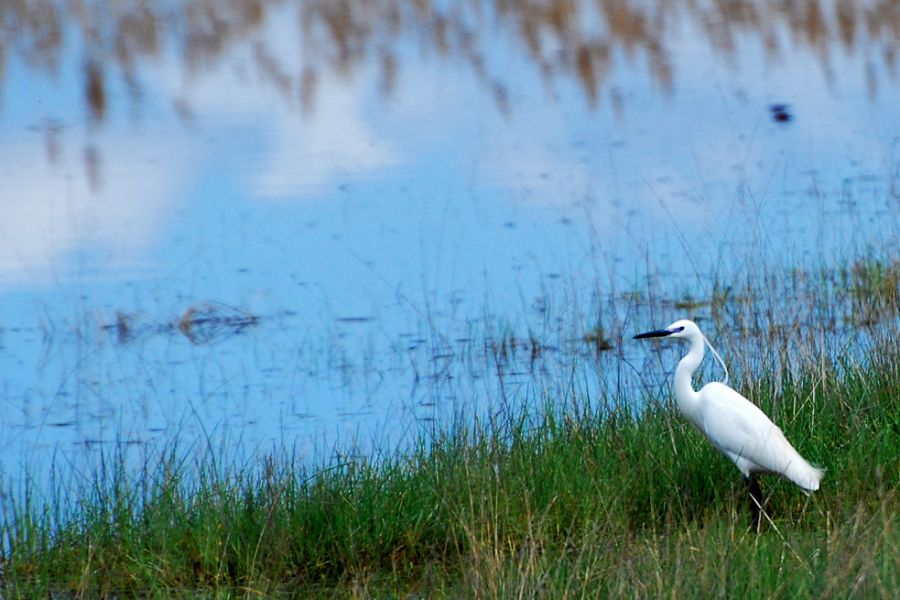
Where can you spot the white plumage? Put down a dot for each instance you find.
(743, 433)
(733, 424)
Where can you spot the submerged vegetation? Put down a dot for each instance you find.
(568, 499)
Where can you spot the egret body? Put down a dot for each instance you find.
(734, 425)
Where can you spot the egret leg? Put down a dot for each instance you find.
(756, 501)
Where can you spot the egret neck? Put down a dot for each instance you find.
(688, 400)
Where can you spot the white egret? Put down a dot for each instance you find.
(734, 425)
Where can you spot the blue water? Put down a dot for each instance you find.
(389, 227)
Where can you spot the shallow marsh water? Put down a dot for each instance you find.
(265, 224)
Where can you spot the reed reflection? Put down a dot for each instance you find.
(586, 40)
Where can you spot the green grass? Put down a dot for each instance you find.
(565, 501)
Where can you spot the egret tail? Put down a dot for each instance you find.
(804, 474)
(781, 457)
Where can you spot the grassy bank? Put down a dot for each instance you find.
(570, 501)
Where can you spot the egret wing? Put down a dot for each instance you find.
(741, 431)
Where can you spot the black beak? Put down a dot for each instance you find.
(653, 334)
(658, 333)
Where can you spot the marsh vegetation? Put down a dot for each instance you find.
(573, 495)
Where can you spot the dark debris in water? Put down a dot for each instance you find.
(508, 346)
(598, 340)
(209, 322)
(780, 113)
(354, 319)
(690, 303)
(201, 323)
(122, 326)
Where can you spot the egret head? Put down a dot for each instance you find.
(678, 329)
(689, 331)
